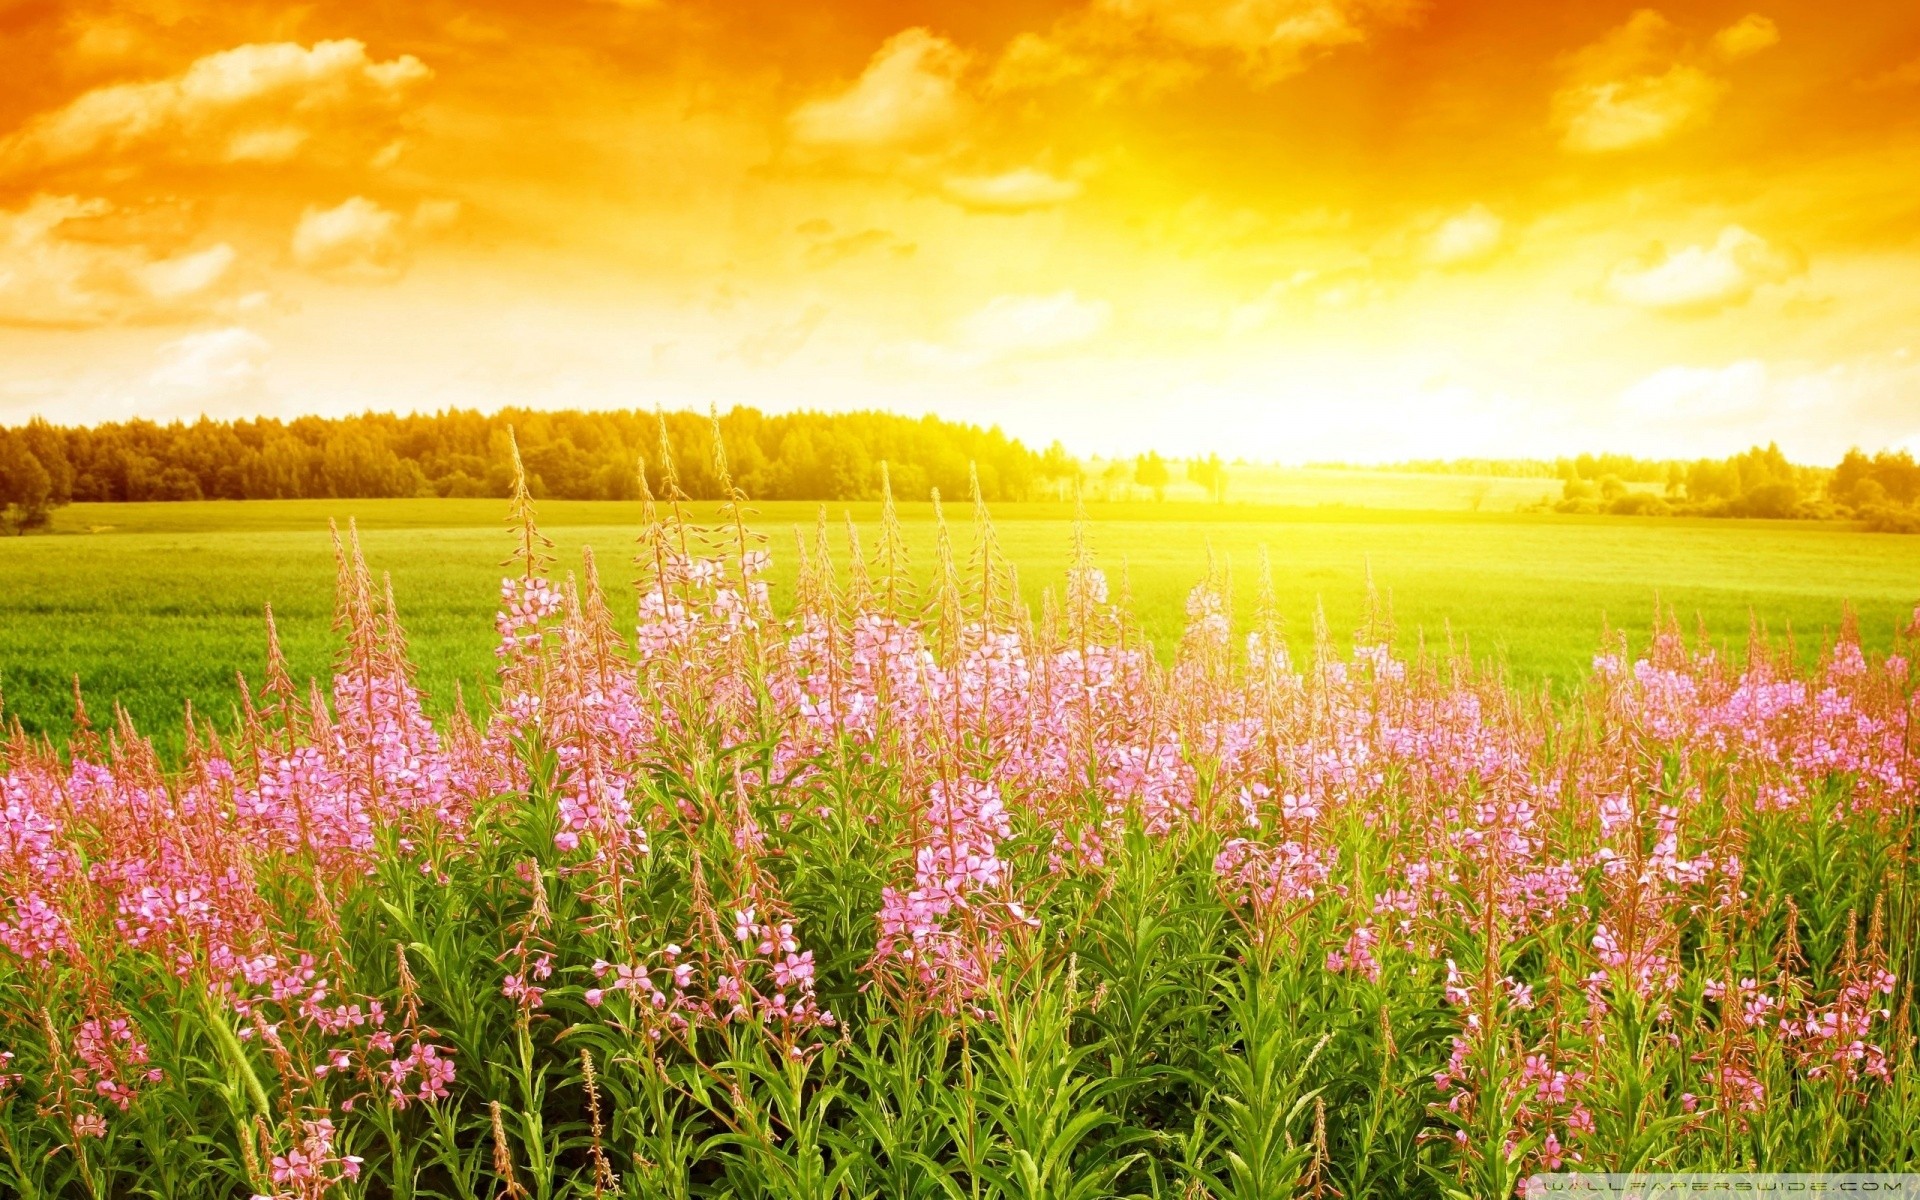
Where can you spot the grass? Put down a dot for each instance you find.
(1355, 488)
(876, 905)
(150, 604)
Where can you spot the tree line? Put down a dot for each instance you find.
(568, 455)
(1880, 489)
(578, 455)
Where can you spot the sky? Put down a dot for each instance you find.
(1298, 230)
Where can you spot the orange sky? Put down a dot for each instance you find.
(1366, 229)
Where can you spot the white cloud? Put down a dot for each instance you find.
(775, 344)
(1153, 44)
(1699, 393)
(1621, 114)
(433, 216)
(1703, 279)
(1270, 33)
(1748, 36)
(1018, 190)
(1015, 323)
(356, 241)
(1010, 326)
(211, 372)
(1467, 238)
(908, 96)
(187, 275)
(1642, 84)
(253, 103)
(56, 270)
(1349, 287)
(1814, 409)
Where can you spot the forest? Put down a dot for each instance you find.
(576, 455)
(569, 455)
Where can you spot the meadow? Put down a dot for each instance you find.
(807, 885)
(151, 605)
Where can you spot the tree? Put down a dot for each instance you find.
(1150, 471)
(1211, 474)
(1061, 470)
(26, 486)
(1898, 474)
(1778, 499)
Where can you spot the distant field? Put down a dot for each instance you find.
(1356, 488)
(151, 603)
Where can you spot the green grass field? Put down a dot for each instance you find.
(151, 603)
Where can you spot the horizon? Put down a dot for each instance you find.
(1403, 465)
(1311, 230)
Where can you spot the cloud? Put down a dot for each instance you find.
(60, 267)
(1352, 286)
(1164, 43)
(908, 96)
(253, 103)
(1019, 190)
(1904, 76)
(1641, 84)
(1011, 326)
(1270, 34)
(356, 241)
(186, 275)
(1699, 393)
(220, 370)
(824, 249)
(1466, 239)
(1746, 37)
(1624, 113)
(1703, 279)
(434, 216)
(777, 343)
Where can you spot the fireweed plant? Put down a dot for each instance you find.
(914, 894)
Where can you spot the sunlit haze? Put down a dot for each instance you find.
(1286, 229)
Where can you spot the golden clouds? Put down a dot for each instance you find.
(908, 96)
(1270, 36)
(1004, 210)
(1013, 323)
(253, 103)
(220, 371)
(1641, 84)
(1467, 238)
(1157, 44)
(63, 263)
(1018, 190)
(1905, 75)
(187, 275)
(359, 241)
(1009, 326)
(355, 241)
(1698, 280)
(1748, 36)
(911, 113)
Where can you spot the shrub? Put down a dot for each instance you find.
(1890, 518)
(1638, 504)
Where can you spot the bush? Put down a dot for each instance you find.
(1770, 500)
(1889, 518)
(1638, 504)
